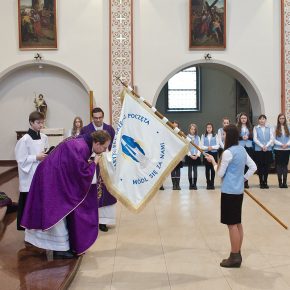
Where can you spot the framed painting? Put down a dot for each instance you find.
(207, 24)
(37, 24)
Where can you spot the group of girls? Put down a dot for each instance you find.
(262, 143)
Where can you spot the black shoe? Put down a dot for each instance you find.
(63, 255)
(161, 187)
(266, 186)
(284, 185)
(178, 187)
(262, 186)
(103, 227)
(246, 184)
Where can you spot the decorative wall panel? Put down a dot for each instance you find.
(285, 56)
(121, 51)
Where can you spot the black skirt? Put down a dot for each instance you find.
(263, 157)
(282, 157)
(231, 208)
(192, 162)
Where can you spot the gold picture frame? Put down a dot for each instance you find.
(37, 24)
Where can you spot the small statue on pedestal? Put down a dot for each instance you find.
(40, 105)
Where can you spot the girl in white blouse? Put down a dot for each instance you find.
(282, 149)
(209, 143)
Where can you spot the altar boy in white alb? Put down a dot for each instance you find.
(29, 152)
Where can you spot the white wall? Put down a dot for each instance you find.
(83, 42)
(65, 97)
(160, 45)
(253, 45)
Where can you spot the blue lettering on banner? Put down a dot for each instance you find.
(114, 145)
(142, 119)
(162, 150)
(140, 180)
(153, 173)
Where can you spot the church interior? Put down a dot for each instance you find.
(64, 58)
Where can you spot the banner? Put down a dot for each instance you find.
(144, 152)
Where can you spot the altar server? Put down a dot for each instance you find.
(29, 152)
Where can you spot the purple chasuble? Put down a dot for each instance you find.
(61, 187)
(106, 198)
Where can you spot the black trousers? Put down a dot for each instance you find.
(21, 205)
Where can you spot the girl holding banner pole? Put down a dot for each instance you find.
(231, 170)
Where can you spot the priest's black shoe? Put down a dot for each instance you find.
(103, 227)
(63, 255)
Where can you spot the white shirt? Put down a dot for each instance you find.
(26, 150)
(97, 128)
(263, 128)
(220, 137)
(209, 136)
(278, 142)
(190, 145)
(227, 158)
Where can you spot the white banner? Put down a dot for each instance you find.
(144, 152)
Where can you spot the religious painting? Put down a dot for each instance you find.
(37, 24)
(207, 24)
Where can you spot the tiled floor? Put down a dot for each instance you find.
(177, 242)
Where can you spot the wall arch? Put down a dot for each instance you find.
(42, 64)
(65, 92)
(252, 90)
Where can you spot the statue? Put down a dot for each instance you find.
(40, 105)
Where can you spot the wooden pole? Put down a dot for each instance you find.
(265, 209)
(202, 151)
(91, 104)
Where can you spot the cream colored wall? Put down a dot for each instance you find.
(160, 45)
(83, 42)
(253, 45)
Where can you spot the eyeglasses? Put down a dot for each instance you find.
(98, 118)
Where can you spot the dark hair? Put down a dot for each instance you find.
(232, 136)
(35, 116)
(248, 123)
(207, 124)
(226, 118)
(101, 137)
(97, 110)
(74, 129)
(262, 116)
(278, 131)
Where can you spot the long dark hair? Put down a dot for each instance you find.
(74, 129)
(248, 124)
(206, 133)
(279, 129)
(232, 136)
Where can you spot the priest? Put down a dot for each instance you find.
(61, 213)
(107, 208)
